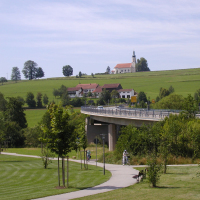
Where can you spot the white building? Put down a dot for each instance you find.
(126, 67)
(126, 93)
(75, 92)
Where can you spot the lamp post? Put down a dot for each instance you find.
(96, 151)
(103, 138)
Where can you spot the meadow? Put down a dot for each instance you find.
(185, 82)
(180, 183)
(25, 178)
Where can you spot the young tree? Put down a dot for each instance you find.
(115, 94)
(163, 93)
(142, 97)
(40, 73)
(39, 100)
(45, 99)
(67, 70)
(30, 100)
(62, 137)
(80, 74)
(108, 70)
(2, 80)
(15, 76)
(89, 94)
(2, 102)
(142, 65)
(30, 70)
(2, 133)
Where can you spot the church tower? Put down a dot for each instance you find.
(133, 66)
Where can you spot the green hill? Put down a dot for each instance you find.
(185, 82)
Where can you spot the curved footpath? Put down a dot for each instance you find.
(121, 177)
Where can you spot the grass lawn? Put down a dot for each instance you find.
(33, 116)
(179, 183)
(37, 152)
(25, 178)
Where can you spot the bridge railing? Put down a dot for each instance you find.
(129, 113)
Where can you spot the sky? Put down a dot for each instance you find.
(90, 35)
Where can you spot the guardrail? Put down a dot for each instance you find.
(128, 113)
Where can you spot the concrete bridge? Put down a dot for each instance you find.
(108, 120)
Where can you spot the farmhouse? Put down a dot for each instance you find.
(75, 92)
(88, 87)
(126, 67)
(126, 93)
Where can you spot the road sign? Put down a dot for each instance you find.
(153, 101)
(134, 99)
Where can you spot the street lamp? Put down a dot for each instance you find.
(103, 138)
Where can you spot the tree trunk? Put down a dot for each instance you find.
(81, 158)
(67, 171)
(63, 171)
(58, 173)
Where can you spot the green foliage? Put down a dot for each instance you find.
(108, 70)
(32, 136)
(163, 93)
(40, 73)
(61, 137)
(142, 65)
(114, 94)
(30, 70)
(2, 80)
(15, 112)
(67, 70)
(45, 99)
(104, 97)
(30, 100)
(46, 157)
(15, 76)
(39, 100)
(190, 106)
(13, 134)
(142, 97)
(3, 102)
(153, 173)
(173, 101)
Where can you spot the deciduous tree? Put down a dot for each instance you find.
(30, 70)
(39, 73)
(2, 80)
(30, 100)
(67, 70)
(15, 76)
(142, 65)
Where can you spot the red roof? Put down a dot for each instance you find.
(124, 65)
(88, 86)
(115, 85)
(125, 90)
(98, 89)
(74, 89)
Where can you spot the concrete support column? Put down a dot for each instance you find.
(111, 137)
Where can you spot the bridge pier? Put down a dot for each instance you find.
(112, 136)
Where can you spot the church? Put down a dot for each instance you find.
(126, 67)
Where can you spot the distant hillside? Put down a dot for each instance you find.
(185, 82)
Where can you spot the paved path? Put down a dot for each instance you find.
(121, 177)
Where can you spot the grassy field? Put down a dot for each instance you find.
(25, 178)
(185, 82)
(33, 116)
(180, 183)
(37, 152)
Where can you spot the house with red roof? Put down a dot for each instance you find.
(111, 87)
(88, 87)
(75, 92)
(126, 67)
